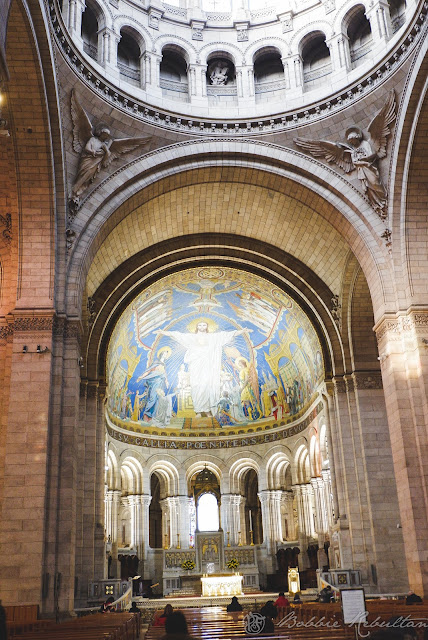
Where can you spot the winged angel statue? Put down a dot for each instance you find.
(96, 147)
(359, 153)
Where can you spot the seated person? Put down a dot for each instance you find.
(160, 621)
(281, 600)
(134, 608)
(326, 594)
(297, 599)
(107, 606)
(176, 627)
(269, 627)
(234, 605)
(269, 610)
(412, 598)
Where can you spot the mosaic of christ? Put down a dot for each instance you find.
(212, 347)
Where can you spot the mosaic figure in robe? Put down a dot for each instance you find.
(203, 358)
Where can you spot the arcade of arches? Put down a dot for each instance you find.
(212, 315)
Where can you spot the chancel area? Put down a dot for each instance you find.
(213, 299)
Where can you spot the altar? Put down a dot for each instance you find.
(226, 585)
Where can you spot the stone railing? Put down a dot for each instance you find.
(132, 74)
(91, 50)
(265, 87)
(171, 85)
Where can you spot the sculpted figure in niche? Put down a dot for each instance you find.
(203, 359)
(360, 154)
(219, 73)
(96, 147)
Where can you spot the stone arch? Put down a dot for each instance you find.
(131, 472)
(320, 190)
(238, 469)
(167, 472)
(113, 476)
(276, 469)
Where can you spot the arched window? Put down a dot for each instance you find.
(90, 32)
(206, 492)
(173, 74)
(316, 61)
(268, 75)
(360, 37)
(128, 58)
(207, 513)
(397, 10)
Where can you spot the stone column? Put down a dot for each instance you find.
(184, 521)
(173, 521)
(364, 474)
(303, 536)
(145, 504)
(134, 502)
(72, 11)
(380, 21)
(293, 72)
(287, 500)
(328, 498)
(107, 48)
(112, 526)
(268, 525)
(340, 53)
(235, 519)
(242, 527)
(226, 516)
(403, 356)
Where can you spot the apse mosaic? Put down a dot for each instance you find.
(211, 347)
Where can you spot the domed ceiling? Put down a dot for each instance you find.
(211, 348)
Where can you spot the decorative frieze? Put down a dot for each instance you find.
(219, 443)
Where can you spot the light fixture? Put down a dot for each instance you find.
(40, 350)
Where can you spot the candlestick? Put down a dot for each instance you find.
(251, 520)
(251, 539)
(178, 541)
(240, 541)
(228, 538)
(165, 543)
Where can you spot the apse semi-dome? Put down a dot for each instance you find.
(212, 349)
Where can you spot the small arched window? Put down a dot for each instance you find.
(207, 513)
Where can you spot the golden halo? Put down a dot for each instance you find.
(168, 350)
(212, 325)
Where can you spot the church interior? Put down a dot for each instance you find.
(213, 298)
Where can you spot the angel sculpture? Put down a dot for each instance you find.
(96, 147)
(360, 154)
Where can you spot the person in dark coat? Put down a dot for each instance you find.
(234, 605)
(269, 610)
(413, 598)
(176, 627)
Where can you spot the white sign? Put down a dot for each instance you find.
(353, 605)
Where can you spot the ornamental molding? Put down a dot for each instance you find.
(397, 327)
(205, 442)
(127, 103)
(33, 323)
